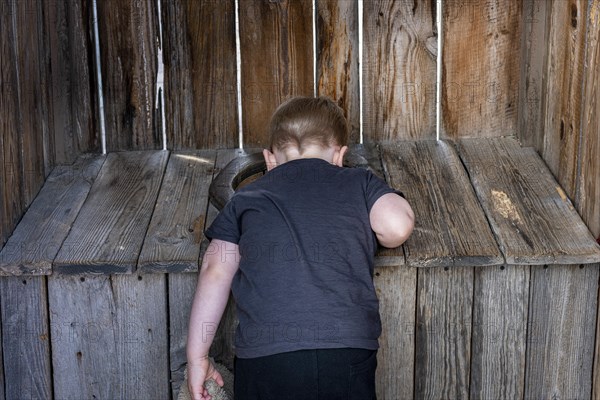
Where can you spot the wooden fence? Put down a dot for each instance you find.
(526, 68)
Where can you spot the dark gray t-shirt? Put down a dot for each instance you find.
(306, 266)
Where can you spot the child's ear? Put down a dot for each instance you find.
(269, 159)
(338, 156)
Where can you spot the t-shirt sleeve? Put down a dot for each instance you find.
(226, 225)
(376, 187)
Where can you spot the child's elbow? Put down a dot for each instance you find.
(398, 230)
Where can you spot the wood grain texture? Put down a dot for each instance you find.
(25, 338)
(11, 175)
(337, 58)
(564, 85)
(443, 333)
(532, 218)
(181, 289)
(109, 336)
(399, 70)
(481, 68)
(560, 332)
(396, 290)
(533, 58)
(200, 73)
(450, 226)
(277, 60)
(498, 340)
(72, 106)
(40, 233)
(173, 240)
(109, 231)
(128, 48)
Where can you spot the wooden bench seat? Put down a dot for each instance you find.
(489, 203)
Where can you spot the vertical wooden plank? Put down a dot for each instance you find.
(72, 104)
(28, 67)
(560, 332)
(128, 50)
(564, 79)
(109, 336)
(25, 339)
(396, 289)
(337, 58)
(481, 67)
(200, 73)
(10, 141)
(399, 60)
(443, 338)
(499, 332)
(533, 60)
(277, 60)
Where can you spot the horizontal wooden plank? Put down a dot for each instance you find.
(450, 226)
(174, 236)
(38, 237)
(108, 233)
(530, 214)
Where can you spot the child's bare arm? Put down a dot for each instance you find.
(219, 265)
(392, 220)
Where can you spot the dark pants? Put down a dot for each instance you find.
(325, 374)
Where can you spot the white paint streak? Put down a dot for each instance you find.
(99, 78)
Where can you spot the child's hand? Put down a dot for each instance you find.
(198, 373)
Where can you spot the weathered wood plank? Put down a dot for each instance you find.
(25, 338)
(564, 80)
(109, 336)
(337, 58)
(128, 48)
(12, 185)
(277, 60)
(200, 73)
(498, 340)
(532, 218)
(40, 233)
(443, 334)
(396, 290)
(173, 240)
(481, 69)
(399, 70)
(560, 334)
(109, 231)
(531, 86)
(450, 226)
(72, 106)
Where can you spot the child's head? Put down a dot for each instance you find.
(307, 127)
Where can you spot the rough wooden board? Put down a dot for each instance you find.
(396, 290)
(337, 58)
(200, 73)
(481, 67)
(25, 338)
(173, 240)
(11, 181)
(181, 288)
(450, 226)
(533, 220)
(40, 233)
(128, 54)
(277, 59)
(564, 87)
(72, 105)
(560, 333)
(399, 70)
(108, 233)
(498, 339)
(533, 58)
(109, 336)
(443, 333)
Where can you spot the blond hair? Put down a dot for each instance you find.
(302, 121)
